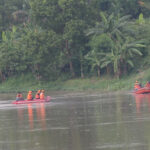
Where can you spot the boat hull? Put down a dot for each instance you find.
(143, 90)
(48, 98)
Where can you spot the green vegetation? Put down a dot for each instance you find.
(73, 44)
(103, 84)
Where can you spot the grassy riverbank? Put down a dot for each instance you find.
(27, 82)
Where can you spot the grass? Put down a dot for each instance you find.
(27, 82)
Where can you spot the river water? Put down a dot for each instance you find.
(77, 121)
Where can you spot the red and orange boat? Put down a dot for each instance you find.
(47, 99)
(142, 90)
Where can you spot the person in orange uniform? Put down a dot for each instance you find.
(19, 97)
(137, 85)
(147, 84)
(42, 96)
(29, 96)
(37, 95)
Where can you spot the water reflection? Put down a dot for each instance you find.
(42, 114)
(101, 122)
(142, 100)
(30, 115)
(35, 113)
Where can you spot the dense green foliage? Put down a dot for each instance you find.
(73, 38)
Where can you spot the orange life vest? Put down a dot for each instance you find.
(42, 95)
(147, 85)
(37, 96)
(29, 96)
(137, 86)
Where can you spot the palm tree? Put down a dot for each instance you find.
(112, 58)
(122, 54)
(114, 27)
(95, 60)
(111, 25)
(129, 49)
(123, 48)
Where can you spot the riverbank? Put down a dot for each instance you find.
(27, 82)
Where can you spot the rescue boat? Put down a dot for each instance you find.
(142, 90)
(47, 99)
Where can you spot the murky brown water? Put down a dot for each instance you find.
(111, 121)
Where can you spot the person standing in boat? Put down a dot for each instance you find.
(137, 85)
(29, 96)
(19, 96)
(37, 95)
(42, 96)
(147, 84)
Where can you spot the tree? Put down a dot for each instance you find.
(7, 8)
(75, 42)
(110, 25)
(67, 18)
(123, 53)
(100, 45)
(41, 51)
(114, 27)
(9, 53)
(95, 60)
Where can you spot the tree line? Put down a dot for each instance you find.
(73, 38)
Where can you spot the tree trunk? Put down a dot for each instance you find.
(81, 68)
(2, 76)
(108, 70)
(98, 71)
(118, 73)
(125, 69)
(70, 62)
(36, 73)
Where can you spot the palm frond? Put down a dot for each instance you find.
(103, 17)
(106, 63)
(136, 51)
(124, 18)
(130, 63)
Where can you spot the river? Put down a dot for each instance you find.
(77, 121)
